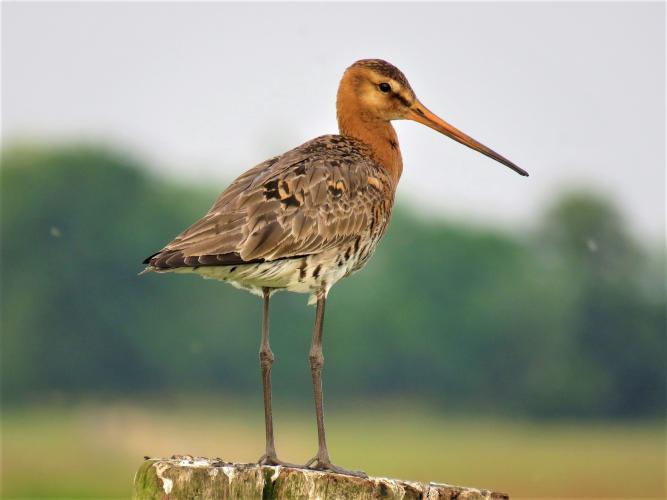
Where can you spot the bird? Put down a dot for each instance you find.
(303, 220)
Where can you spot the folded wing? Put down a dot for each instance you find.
(316, 197)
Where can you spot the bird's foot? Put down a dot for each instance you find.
(317, 463)
(273, 460)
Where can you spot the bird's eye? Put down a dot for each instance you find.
(384, 87)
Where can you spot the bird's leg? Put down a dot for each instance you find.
(266, 361)
(321, 461)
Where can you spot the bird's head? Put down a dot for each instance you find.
(378, 91)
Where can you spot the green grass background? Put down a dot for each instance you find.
(91, 450)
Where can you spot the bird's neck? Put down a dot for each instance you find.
(377, 134)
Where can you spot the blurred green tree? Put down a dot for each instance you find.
(616, 345)
(569, 322)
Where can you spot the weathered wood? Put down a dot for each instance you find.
(186, 477)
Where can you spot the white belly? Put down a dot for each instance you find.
(302, 275)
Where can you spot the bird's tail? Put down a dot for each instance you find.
(148, 269)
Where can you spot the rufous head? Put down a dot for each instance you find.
(378, 91)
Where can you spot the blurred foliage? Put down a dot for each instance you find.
(566, 321)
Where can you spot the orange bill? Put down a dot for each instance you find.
(419, 113)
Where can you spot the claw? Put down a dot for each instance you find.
(324, 465)
(273, 460)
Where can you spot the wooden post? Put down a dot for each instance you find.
(186, 477)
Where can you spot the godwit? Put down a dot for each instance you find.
(303, 220)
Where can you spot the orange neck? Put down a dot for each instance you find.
(376, 133)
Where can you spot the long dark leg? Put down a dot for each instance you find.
(266, 361)
(321, 460)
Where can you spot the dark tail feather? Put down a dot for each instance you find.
(147, 260)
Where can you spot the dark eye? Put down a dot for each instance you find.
(384, 87)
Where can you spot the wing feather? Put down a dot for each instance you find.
(312, 199)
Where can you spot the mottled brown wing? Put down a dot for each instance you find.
(318, 196)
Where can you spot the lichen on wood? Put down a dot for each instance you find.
(186, 477)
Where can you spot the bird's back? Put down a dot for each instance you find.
(299, 221)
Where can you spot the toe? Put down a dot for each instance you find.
(328, 466)
(273, 460)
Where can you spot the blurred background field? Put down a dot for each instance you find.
(509, 333)
(91, 450)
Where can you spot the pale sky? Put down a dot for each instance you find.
(572, 92)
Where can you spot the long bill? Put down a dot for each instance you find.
(419, 113)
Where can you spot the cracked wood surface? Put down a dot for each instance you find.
(186, 477)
